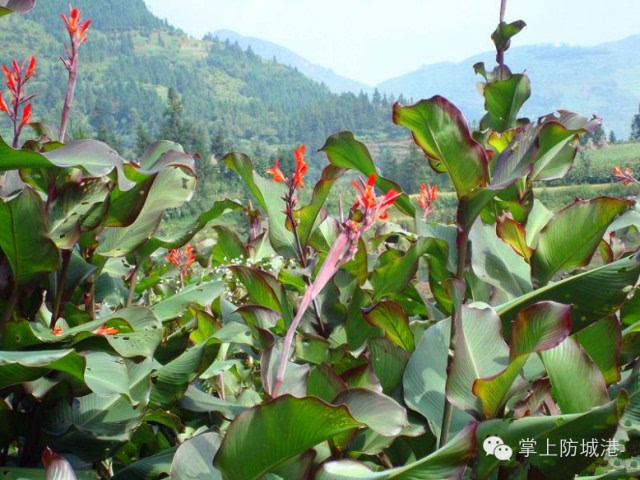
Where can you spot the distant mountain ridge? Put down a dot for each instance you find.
(269, 50)
(603, 80)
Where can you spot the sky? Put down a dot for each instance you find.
(374, 40)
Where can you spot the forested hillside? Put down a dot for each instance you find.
(226, 96)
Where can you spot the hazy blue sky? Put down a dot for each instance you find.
(373, 40)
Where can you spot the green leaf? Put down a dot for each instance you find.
(390, 317)
(23, 237)
(18, 473)
(269, 195)
(172, 187)
(324, 383)
(175, 305)
(503, 101)
(593, 295)
(480, 352)
(439, 128)
(388, 362)
(425, 379)
(571, 237)
(106, 374)
(598, 423)
(502, 35)
(603, 341)
(447, 463)
(576, 381)
(193, 459)
(25, 366)
(149, 467)
(514, 235)
(264, 437)
(494, 262)
(537, 328)
(380, 413)
(344, 151)
(195, 400)
(228, 248)
(558, 148)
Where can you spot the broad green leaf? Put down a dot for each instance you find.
(269, 195)
(380, 413)
(598, 423)
(149, 467)
(18, 159)
(558, 148)
(388, 362)
(308, 215)
(161, 154)
(344, 151)
(324, 383)
(24, 237)
(259, 286)
(538, 218)
(502, 35)
(228, 248)
(631, 418)
(571, 237)
(592, 295)
(390, 317)
(439, 128)
(195, 400)
(175, 305)
(576, 381)
(495, 262)
(602, 341)
(172, 187)
(447, 463)
(16, 6)
(480, 351)
(19, 473)
(106, 374)
(503, 101)
(537, 328)
(264, 437)
(193, 459)
(25, 366)
(425, 379)
(71, 207)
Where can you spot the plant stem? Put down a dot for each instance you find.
(71, 85)
(66, 260)
(462, 241)
(503, 8)
(132, 284)
(13, 301)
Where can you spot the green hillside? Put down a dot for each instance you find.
(229, 97)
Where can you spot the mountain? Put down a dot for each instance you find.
(226, 95)
(603, 80)
(270, 51)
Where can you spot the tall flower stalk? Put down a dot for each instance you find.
(365, 212)
(77, 30)
(17, 76)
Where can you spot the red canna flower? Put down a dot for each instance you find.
(104, 330)
(26, 115)
(278, 176)
(368, 200)
(77, 30)
(56, 331)
(301, 167)
(180, 259)
(3, 105)
(31, 69)
(626, 176)
(427, 197)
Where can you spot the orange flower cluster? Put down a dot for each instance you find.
(181, 259)
(76, 28)
(427, 197)
(298, 174)
(368, 200)
(17, 76)
(626, 176)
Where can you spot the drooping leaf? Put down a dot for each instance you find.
(344, 151)
(558, 148)
(502, 35)
(380, 413)
(388, 362)
(228, 248)
(175, 305)
(561, 245)
(193, 459)
(264, 437)
(537, 328)
(480, 351)
(603, 341)
(390, 317)
(514, 234)
(576, 381)
(503, 101)
(24, 237)
(439, 128)
(195, 400)
(447, 463)
(25, 366)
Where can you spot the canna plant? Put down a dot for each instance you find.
(370, 343)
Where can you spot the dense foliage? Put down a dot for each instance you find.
(361, 342)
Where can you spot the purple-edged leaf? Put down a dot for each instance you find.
(344, 151)
(56, 467)
(534, 400)
(562, 246)
(440, 129)
(514, 235)
(537, 328)
(447, 463)
(390, 317)
(576, 381)
(264, 437)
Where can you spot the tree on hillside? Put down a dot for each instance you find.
(635, 127)
(173, 125)
(612, 137)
